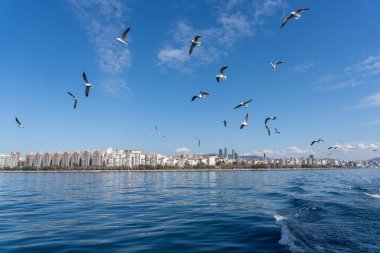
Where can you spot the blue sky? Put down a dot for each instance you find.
(328, 86)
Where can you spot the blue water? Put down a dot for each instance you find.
(234, 211)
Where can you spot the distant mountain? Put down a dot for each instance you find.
(377, 159)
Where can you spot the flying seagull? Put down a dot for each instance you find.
(244, 104)
(123, 36)
(274, 65)
(319, 140)
(194, 42)
(276, 131)
(268, 129)
(375, 150)
(245, 123)
(332, 148)
(201, 95)
(86, 83)
(225, 123)
(221, 75)
(199, 141)
(74, 98)
(270, 118)
(294, 14)
(19, 123)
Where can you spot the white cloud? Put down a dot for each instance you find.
(373, 100)
(234, 20)
(300, 68)
(103, 20)
(182, 150)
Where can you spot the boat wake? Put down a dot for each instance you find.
(287, 238)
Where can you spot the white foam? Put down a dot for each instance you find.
(278, 217)
(367, 180)
(373, 195)
(287, 239)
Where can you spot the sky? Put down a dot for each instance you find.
(328, 86)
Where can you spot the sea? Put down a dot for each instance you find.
(191, 211)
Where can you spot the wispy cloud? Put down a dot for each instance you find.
(103, 20)
(235, 19)
(292, 151)
(182, 150)
(373, 100)
(300, 68)
(353, 75)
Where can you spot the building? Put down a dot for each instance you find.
(97, 158)
(56, 159)
(225, 153)
(220, 153)
(86, 159)
(47, 160)
(4, 160)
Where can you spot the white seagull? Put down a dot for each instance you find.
(201, 95)
(245, 122)
(86, 83)
(123, 36)
(74, 98)
(294, 14)
(194, 42)
(244, 104)
(19, 123)
(274, 65)
(221, 75)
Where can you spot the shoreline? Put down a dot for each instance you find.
(181, 170)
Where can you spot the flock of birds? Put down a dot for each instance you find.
(196, 42)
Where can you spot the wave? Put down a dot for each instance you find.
(373, 195)
(287, 238)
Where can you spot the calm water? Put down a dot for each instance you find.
(297, 211)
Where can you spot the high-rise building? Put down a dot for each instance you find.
(57, 159)
(66, 159)
(220, 153)
(233, 154)
(225, 153)
(97, 158)
(46, 161)
(86, 159)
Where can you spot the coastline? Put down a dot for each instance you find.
(180, 170)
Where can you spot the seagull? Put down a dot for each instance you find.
(194, 42)
(245, 123)
(199, 141)
(270, 118)
(75, 99)
(225, 123)
(294, 14)
(163, 136)
(221, 75)
(201, 95)
(244, 104)
(86, 83)
(319, 140)
(155, 126)
(277, 132)
(375, 150)
(268, 129)
(274, 65)
(123, 35)
(19, 123)
(332, 148)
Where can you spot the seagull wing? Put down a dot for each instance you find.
(247, 102)
(238, 106)
(124, 34)
(266, 121)
(225, 123)
(84, 77)
(330, 148)
(312, 143)
(268, 129)
(222, 69)
(18, 122)
(191, 48)
(71, 94)
(196, 38)
(75, 103)
(217, 79)
(278, 62)
(286, 20)
(193, 98)
(319, 140)
(204, 93)
(246, 118)
(87, 90)
(199, 141)
(301, 10)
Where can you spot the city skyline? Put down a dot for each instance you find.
(327, 87)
